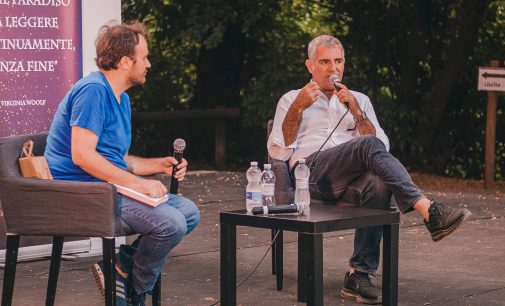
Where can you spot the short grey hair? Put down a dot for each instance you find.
(324, 40)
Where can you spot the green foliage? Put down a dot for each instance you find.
(417, 60)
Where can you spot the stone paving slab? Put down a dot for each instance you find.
(466, 268)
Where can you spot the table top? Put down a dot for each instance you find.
(321, 218)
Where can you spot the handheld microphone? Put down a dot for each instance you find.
(179, 146)
(334, 79)
(276, 209)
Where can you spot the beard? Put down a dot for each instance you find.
(137, 79)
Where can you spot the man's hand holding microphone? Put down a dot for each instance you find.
(345, 96)
(175, 167)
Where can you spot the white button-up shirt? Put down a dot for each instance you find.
(317, 123)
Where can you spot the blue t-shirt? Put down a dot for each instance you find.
(91, 105)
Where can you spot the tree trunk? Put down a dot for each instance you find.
(458, 51)
(218, 84)
(410, 53)
(219, 70)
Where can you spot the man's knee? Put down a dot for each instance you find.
(191, 213)
(193, 220)
(370, 192)
(173, 228)
(379, 196)
(372, 142)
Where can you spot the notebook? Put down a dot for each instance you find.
(140, 196)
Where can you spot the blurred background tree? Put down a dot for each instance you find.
(417, 60)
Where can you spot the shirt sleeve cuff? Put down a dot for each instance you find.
(280, 143)
(278, 151)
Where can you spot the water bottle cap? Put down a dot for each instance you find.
(254, 163)
(267, 166)
(301, 161)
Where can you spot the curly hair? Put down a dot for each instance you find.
(116, 41)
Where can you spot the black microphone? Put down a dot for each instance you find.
(334, 79)
(179, 146)
(276, 209)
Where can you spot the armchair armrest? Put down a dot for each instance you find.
(284, 189)
(53, 207)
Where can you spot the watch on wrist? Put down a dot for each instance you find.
(363, 117)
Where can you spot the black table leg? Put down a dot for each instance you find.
(228, 264)
(274, 255)
(314, 269)
(279, 258)
(302, 267)
(310, 268)
(390, 265)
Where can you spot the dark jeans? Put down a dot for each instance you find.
(363, 172)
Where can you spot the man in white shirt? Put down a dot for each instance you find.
(352, 163)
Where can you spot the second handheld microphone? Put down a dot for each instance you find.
(276, 209)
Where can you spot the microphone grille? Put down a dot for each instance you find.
(334, 78)
(179, 144)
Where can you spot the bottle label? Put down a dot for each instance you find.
(253, 196)
(302, 183)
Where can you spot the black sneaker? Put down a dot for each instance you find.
(444, 220)
(137, 300)
(358, 287)
(121, 284)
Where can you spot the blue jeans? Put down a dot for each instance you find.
(161, 228)
(363, 172)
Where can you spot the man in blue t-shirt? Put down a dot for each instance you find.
(89, 140)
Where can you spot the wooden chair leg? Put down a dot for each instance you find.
(109, 266)
(156, 298)
(11, 258)
(54, 270)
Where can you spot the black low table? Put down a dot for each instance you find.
(310, 228)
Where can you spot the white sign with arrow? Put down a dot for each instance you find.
(491, 79)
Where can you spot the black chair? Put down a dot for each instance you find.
(34, 207)
(285, 194)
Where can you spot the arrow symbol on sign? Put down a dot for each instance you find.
(492, 75)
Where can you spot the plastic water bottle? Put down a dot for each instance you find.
(268, 185)
(253, 189)
(302, 194)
